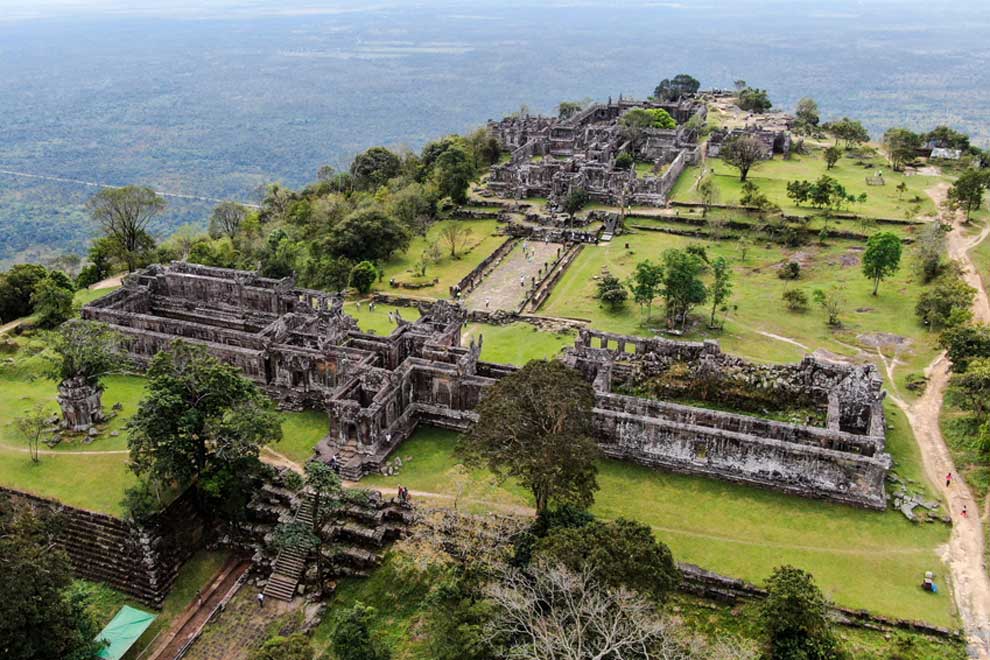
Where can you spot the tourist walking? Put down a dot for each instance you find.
(948, 479)
(261, 600)
(965, 513)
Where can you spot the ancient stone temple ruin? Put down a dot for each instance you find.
(301, 347)
(550, 157)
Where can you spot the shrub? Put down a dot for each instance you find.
(363, 276)
(624, 161)
(611, 292)
(789, 271)
(796, 300)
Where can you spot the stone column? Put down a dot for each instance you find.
(81, 404)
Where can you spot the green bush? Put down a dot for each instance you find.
(363, 276)
(789, 271)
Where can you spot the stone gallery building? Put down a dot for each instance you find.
(301, 348)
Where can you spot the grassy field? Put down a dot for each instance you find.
(860, 558)
(756, 310)
(517, 343)
(448, 270)
(193, 576)
(771, 178)
(94, 476)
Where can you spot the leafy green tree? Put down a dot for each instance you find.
(611, 291)
(901, 145)
(645, 284)
(968, 191)
(293, 647)
(972, 387)
(327, 493)
(965, 342)
(946, 302)
(807, 113)
(742, 152)
(721, 287)
(674, 89)
(647, 118)
(367, 235)
(16, 287)
(352, 638)
(226, 219)
(929, 250)
(373, 168)
(799, 191)
(850, 131)
(124, 215)
(882, 257)
(624, 161)
(100, 264)
(568, 109)
(40, 619)
(620, 553)
(279, 255)
(453, 172)
(52, 302)
(85, 349)
(198, 416)
(363, 276)
(947, 138)
(832, 156)
(32, 426)
(574, 201)
(794, 618)
(754, 100)
(535, 425)
(459, 616)
(682, 287)
(796, 300)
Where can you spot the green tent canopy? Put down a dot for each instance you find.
(121, 633)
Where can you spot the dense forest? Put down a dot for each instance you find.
(236, 99)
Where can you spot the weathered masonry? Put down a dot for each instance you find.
(306, 353)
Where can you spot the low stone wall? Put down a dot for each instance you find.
(472, 279)
(141, 561)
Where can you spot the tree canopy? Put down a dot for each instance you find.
(535, 425)
(882, 257)
(754, 100)
(742, 152)
(794, 618)
(198, 417)
(124, 215)
(674, 89)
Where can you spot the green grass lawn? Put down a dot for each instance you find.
(771, 178)
(860, 558)
(377, 322)
(516, 343)
(447, 270)
(194, 575)
(756, 306)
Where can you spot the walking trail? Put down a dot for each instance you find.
(964, 554)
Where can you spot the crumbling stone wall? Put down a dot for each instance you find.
(300, 346)
(139, 560)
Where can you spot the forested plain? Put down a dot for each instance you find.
(218, 102)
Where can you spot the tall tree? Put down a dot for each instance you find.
(742, 152)
(535, 425)
(968, 191)
(794, 618)
(901, 145)
(226, 219)
(352, 638)
(51, 302)
(674, 89)
(848, 130)
(882, 257)
(374, 167)
(754, 100)
(807, 113)
(455, 234)
(367, 235)
(721, 287)
(619, 554)
(645, 284)
(124, 215)
(39, 619)
(682, 286)
(16, 287)
(832, 155)
(32, 425)
(453, 172)
(198, 416)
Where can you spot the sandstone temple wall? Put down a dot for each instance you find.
(139, 560)
(377, 389)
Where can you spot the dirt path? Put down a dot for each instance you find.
(964, 554)
(109, 283)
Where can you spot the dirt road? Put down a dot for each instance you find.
(964, 554)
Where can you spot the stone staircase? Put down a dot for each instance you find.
(290, 564)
